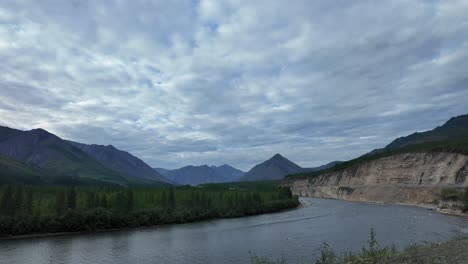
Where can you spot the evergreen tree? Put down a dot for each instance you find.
(164, 201)
(90, 201)
(103, 202)
(60, 204)
(18, 199)
(28, 205)
(171, 198)
(129, 201)
(71, 198)
(7, 205)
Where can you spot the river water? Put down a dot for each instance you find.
(295, 235)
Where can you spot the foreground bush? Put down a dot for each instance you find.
(373, 253)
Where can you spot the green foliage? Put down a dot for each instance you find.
(327, 255)
(465, 200)
(451, 195)
(373, 253)
(40, 209)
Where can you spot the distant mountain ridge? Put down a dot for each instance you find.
(454, 128)
(121, 161)
(194, 175)
(451, 137)
(274, 168)
(39, 152)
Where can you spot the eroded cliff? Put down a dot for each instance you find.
(410, 178)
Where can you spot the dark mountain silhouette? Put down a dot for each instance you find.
(323, 167)
(195, 175)
(273, 169)
(120, 161)
(454, 128)
(57, 160)
(452, 136)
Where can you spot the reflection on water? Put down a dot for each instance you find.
(296, 235)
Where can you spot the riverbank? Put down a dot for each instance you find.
(36, 210)
(278, 207)
(295, 235)
(454, 251)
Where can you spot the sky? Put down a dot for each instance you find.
(214, 82)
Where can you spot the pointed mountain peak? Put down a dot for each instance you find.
(273, 169)
(278, 156)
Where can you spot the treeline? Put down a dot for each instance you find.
(50, 209)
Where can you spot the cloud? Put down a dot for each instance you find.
(194, 82)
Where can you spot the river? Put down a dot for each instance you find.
(295, 235)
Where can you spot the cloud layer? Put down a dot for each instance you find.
(194, 82)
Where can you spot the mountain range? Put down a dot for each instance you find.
(37, 156)
(194, 175)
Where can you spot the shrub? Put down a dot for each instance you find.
(465, 200)
(451, 195)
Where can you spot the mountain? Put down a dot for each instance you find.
(120, 161)
(57, 160)
(13, 171)
(452, 137)
(415, 169)
(323, 167)
(273, 169)
(455, 127)
(228, 173)
(194, 175)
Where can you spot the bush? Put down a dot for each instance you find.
(465, 200)
(372, 254)
(451, 195)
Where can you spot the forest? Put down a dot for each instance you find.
(53, 209)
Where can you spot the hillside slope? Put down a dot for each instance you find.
(56, 160)
(413, 169)
(121, 161)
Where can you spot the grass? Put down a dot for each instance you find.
(454, 251)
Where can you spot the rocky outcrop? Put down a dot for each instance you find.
(410, 178)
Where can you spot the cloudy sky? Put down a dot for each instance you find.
(195, 82)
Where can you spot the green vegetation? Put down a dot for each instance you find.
(449, 252)
(248, 185)
(459, 145)
(13, 171)
(465, 200)
(373, 253)
(456, 195)
(88, 173)
(451, 195)
(50, 209)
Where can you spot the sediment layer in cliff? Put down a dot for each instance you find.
(410, 178)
